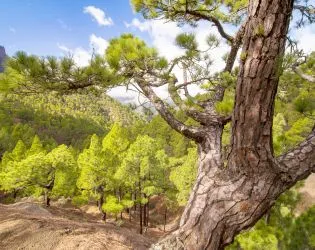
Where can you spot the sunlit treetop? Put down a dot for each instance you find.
(129, 56)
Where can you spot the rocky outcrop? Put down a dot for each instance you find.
(3, 55)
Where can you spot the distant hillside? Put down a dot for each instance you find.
(2, 58)
(69, 119)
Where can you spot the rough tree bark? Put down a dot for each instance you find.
(140, 210)
(232, 197)
(47, 198)
(148, 211)
(100, 190)
(47, 190)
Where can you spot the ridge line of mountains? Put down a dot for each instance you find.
(3, 55)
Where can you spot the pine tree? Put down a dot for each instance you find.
(136, 169)
(13, 176)
(183, 175)
(94, 175)
(232, 190)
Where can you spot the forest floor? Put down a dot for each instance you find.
(26, 225)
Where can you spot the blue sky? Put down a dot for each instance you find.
(50, 27)
(38, 26)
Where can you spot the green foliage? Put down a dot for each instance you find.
(80, 200)
(226, 106)
(58, 119)
(35, 169)
(230, 11)
(127, 203)
(128, 55)
(32, 74)
(212, 41)
(279, 124)
(186, 41)
(302, 234)
(183, 175)
(294, 111)
(305, 102)
(92, 167)
(262, 237)
(36, 146)
(112, 205)
(64, 166)
(139, 160)
(174, 144)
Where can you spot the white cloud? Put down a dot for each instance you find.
(12, 30)
(64, 48)
(123, 95)
(306, 38)
(98, 15)
(98, 43)
(162, 33)
(82, 56)
(142, 26)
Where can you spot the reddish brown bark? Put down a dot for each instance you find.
(228, 199)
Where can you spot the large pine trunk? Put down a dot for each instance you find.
(232, 196)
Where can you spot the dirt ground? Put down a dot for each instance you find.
(307, 195)
(30, 226)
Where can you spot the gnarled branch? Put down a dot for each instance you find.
(193, 133)
(303, 75)
(299, 162)
(201, 16)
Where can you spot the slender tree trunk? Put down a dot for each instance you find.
(228, 199)
(47, 201)
(145, 212)
(267, 216)
(145, 215)
(47, 198)
(104, 217)
(129, 212)
(165, 217)
(99, 204)
(120, 198)
(135, 199)
(48, 188)
(15, 192)
(148, 211)
(140, 217)
(140, 209)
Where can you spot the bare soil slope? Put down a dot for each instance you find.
(27, 225)
(307, 195)
(30, 226)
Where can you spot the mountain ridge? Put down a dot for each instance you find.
(3, 55)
